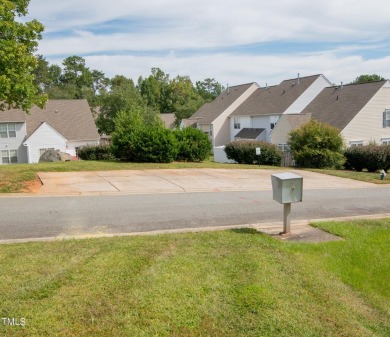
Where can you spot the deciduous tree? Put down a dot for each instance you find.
(368, 78)
(18, 42)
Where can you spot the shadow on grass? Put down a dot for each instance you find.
(245, 231)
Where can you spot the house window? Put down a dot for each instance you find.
(284, 147)
(385, 141)
(9, 156)
(386, 118)
(7, 131)
(272, 126)
(43, 150)
(355, 143)
(237, 123)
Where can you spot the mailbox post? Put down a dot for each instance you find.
(287, 188)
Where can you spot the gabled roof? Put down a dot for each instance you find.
(188, 122)
(168, 120)
(210, 111)
(249, 133)
(50, 127)
(276, 99)
(296, 120)
(71, 118)
(338, 105)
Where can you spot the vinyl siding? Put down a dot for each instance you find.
(71, 146)
(221, 125)
(245, 122)
(280, 133)
(368, 123)
(16, 143)
(264, 122)
(44, 137)
(320, 83)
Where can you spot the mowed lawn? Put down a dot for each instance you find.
(230, 283)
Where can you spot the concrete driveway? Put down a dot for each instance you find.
(178, 181)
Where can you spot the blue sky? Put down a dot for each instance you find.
(234, 42)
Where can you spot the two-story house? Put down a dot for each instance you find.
(63, 125)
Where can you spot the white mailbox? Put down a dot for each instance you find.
(287, 187)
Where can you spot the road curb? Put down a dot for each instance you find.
(268, 228)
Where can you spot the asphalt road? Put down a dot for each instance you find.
(43, 217)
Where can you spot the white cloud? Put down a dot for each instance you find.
(177, 26)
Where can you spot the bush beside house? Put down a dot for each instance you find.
(193, 144)
(142, 137)
(244, 152)
(317, 145)
(371, 157)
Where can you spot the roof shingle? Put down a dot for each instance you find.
(71, 118)
(276, 99)
(338, 105)
(210, 111)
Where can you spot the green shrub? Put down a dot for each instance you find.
(137, 139)
(98, 152)
(317, 145)
(194, 144)
(244, 152)
(154, 145)
(371, 157)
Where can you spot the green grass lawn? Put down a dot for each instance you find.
(370, 177)
(231, 283)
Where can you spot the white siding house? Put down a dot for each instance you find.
(46, 135)
(265, 106)
(62, 125)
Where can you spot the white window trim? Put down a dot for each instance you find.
(236, 123)
(386, 122)
(385, 141)
(9, 156)
(8, 131)
(284, 147)
(354, 143)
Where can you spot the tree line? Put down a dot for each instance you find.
(156, 93)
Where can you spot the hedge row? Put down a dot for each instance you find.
(370, 157)
(244, 152)
(154, 145)
(99, 152)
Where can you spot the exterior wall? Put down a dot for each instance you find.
(44, 137)
(320, 83)
(264, 122)
(220, 155)
(245, 122)
(16, 143)
(221, 125)
(280, 132)
(207, 128)
(367, 125)
(72, 145)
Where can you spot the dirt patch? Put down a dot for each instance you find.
(32, 186)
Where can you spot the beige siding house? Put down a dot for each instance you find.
(212, 117)
(360, 111)
(287, 123)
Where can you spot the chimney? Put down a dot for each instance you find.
(228, 90)
(298, 79)
(341, 87)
